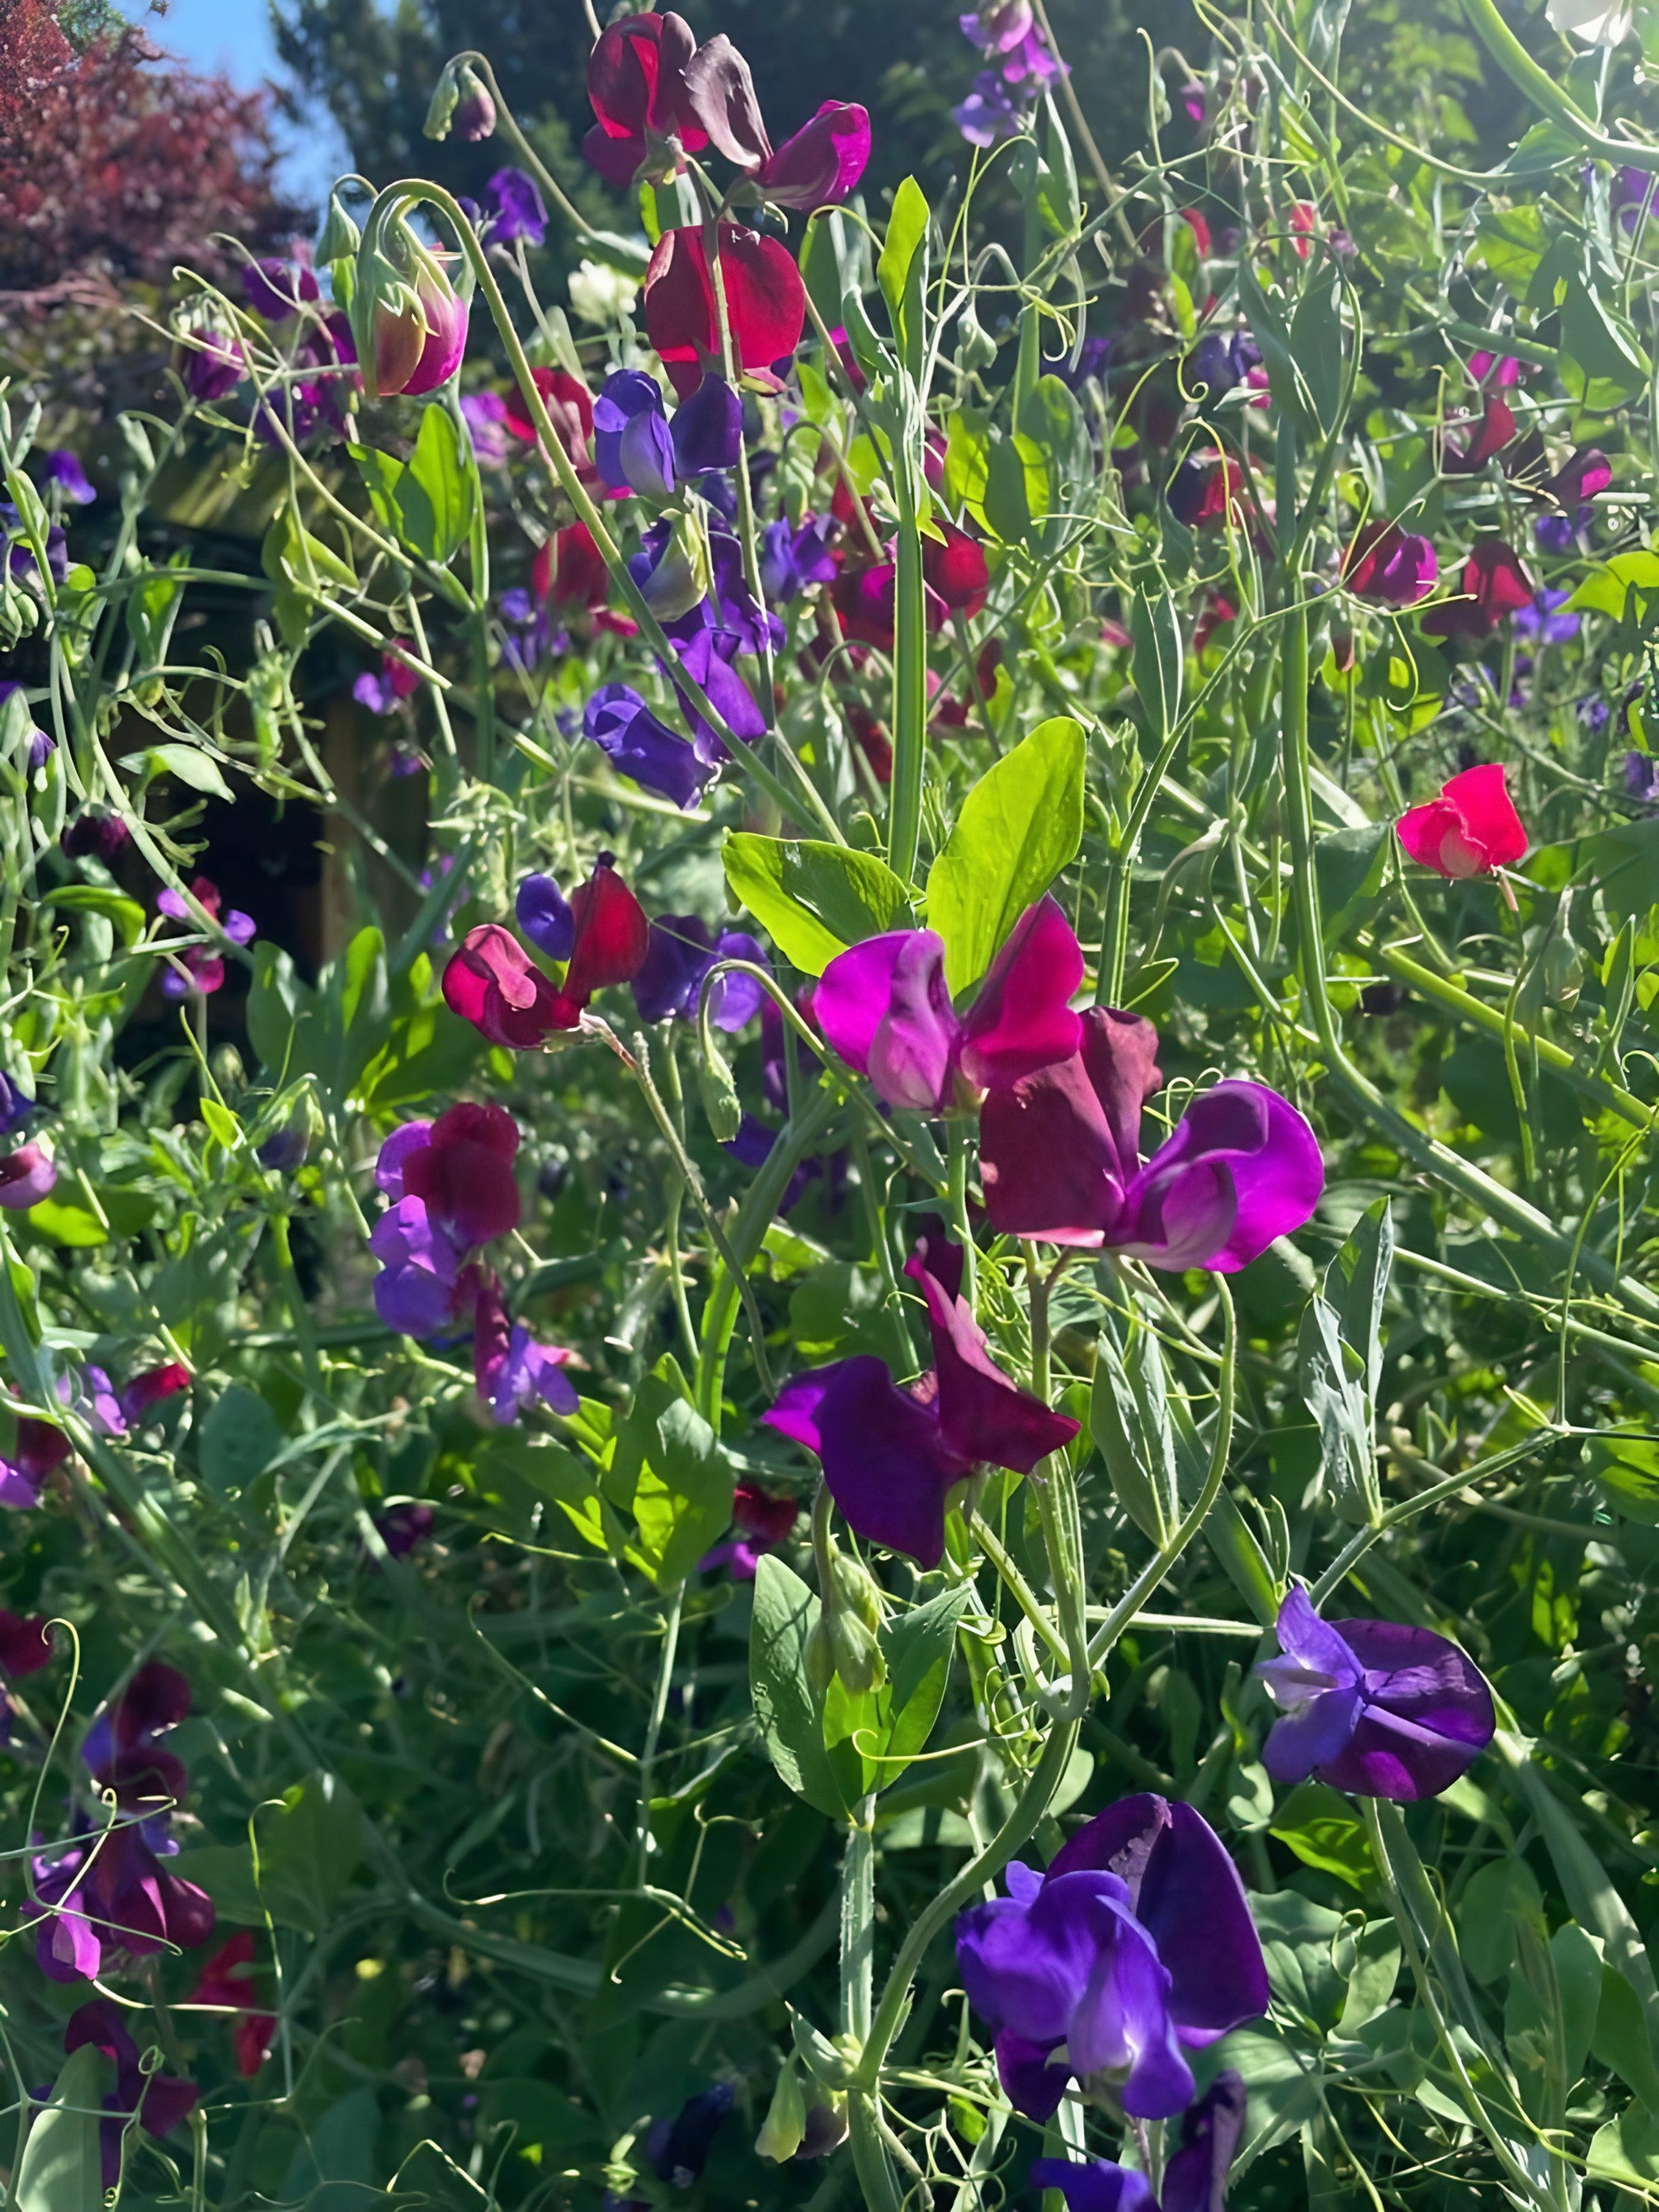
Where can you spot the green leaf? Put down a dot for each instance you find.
(382, 475)
(1622, 2039)
(1608, 588)
(1626, 2152)
(902, 272)
(1602, 344)
(61, 2170)
(1298, 1942)
(1624, 864)
(814, 899)
(1129, 1421)
(283, 1025)
(188, 763)
(1157, 660)
(669, 1471)
(1625, 1469)
(1020, 826)
(787, 1715)
(357, 997)
(918, 1645)
(237, 1441)
(1316, 344)
(94, 898)
(1350, 865)
(1324, 1831)
(65, 1221)
(436, 521)
(1284, 2088)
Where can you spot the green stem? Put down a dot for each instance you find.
(670, 1639)
(909, 682)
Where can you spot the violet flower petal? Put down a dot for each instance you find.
(1095, 2185)
(708, 429)
(912, 1051)
(640, 747)
(1035, 2086)
(544, 914)
(881, 1451)
(1269, 1151)
(1195, 2179)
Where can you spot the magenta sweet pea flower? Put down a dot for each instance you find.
(823, 162)
(26, 1176)
(1194, 2180)
(1392, 567)
(883, 1007)
(1059, 1157)
(1135, 1947)
(891, 1456)
(214, 363)
(1373, 1707)
(1471, 829)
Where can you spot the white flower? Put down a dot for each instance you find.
(1593, 22)
(601, 294)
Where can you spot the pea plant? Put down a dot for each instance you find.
(889, 1437)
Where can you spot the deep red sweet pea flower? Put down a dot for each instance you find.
(612, 936)
(765, 303)
(227, 1981)
(636, 82)
(1200, 492)
(1471, 829)
(492, 983)
(25, 1643)
(567, 400)
(1394, 567)
(953, 566)
(1493, 585)
(1580, 478)
(463, 1173)
(569, 573)
(1485, 438)
(762, 1515)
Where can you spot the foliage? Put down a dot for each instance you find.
(578, 1787)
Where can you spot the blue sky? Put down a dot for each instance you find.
(235, 36)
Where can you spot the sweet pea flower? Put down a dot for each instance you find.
(451, 1188)
(1470, 444)
(677, 2148)
(763, 1521)
(644, 749)
(1371, 1707)
(1641, 770)
(1202, 493)
(1493, 584)
(226, 1982)
(1195, 2179)
(792, 558)
(1007, 33)
(1544, 620)
(510, 1367)
(1059, 1157)
(1499, 372)
(632, 446)
(485, 415)
(37, 750)
(63, 469)
(26, 1176)
(275, 289)
(821, 165)
(25, 1643)
(1221, 363)
(883, 1007)
(545, 914)
(765, 303)
(41, 1450)
(16, 1105)
(204, 971)
(491, 982)
(681, 949)
(1389, 566)
(1135, 1947)
(104, 1895)
(384, 692)
(515, 209)
(636, 82)
(1471, 829)
(156, 2101)
(569, 573)
(570, 407)
(890, 1456)
(123, 1751)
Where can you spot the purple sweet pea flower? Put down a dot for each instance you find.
(1221, 363)
(1372, 1707)
(106, 1893)
(707, 660)
(64, 470)
(677, 2148)
(26, 1176)
(1135, 1947)
(513, 1370)
(1194, 2180)
(20, 553)
(1641, 770)
(275, 289)
(401, 1528)
(731, 605)
(883, 1007)
(214, 364)
(681, 949)
(485, 415)
(640, 747)
(1559, 533)
(545, 914)
(1542, 619)
(708, 429)
(633, 449)
(990, 112)
(1059, 1157)
(157, 2101)
(420, 1265)
(41, 748)
(16, 1105)
(890, 1456)
(1634, 194)
(791, 559)
(515, 210)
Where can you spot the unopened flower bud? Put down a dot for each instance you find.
(975, 347)
(475, 111)
(856, 1655)
(407, 319)
(341, 237)
(440, 109)
(784, 2128)
(856, 1591)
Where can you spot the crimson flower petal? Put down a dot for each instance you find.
(612, 936)
(1393, 567)
(1047, 1159)
(492, 983)
(1470, 829)
(636, 79)
(981, 1414)
(1022, 1019)
(954, 565)
(765, 302)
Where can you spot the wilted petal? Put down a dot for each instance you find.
(722, 93)
(1022, 1020)
(881, 1452)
